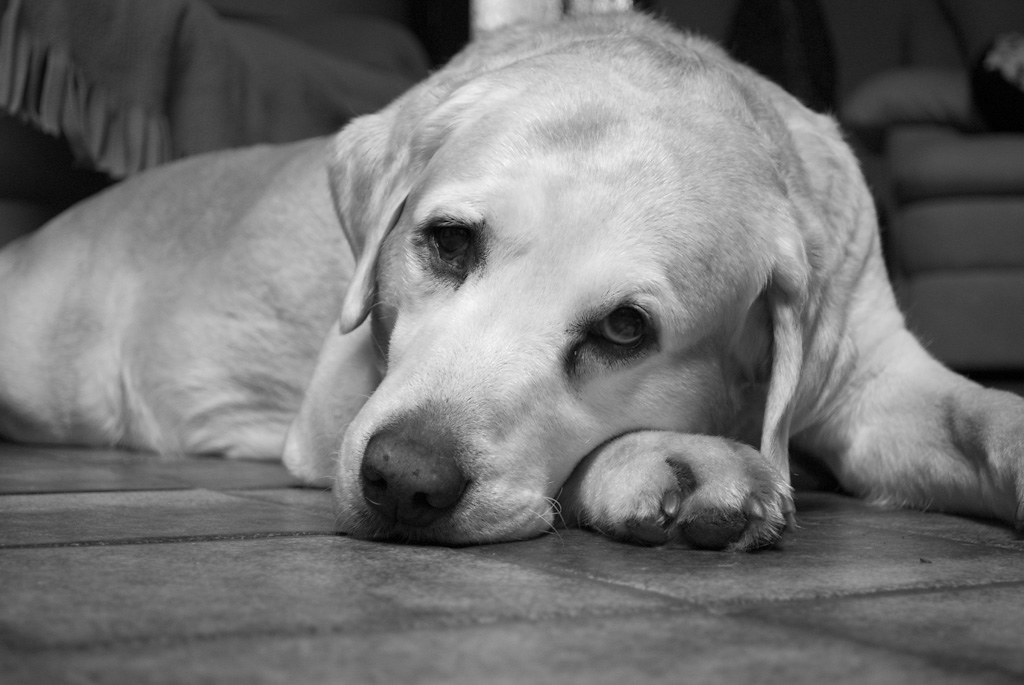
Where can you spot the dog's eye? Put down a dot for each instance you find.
(449, 248)
(625, 326)
(452, 244)
(623, 335)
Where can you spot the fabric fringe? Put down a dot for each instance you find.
(39, 84)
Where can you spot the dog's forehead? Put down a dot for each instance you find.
(654, 155)
(584, 178)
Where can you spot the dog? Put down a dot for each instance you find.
(592, 274)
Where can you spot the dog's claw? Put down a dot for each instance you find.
(659, 529)
(671, 504)
(756, 510)
(789, 512)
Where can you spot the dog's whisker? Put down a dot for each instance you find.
(552, 529)
(556, 510)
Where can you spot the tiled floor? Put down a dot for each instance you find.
(136, 569)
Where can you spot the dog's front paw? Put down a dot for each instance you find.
(653, 487)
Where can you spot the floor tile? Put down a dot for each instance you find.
(826, 556)
(317, 499)
(92, 517)
(51, 469)
(980, 625)
(821, 507)
(77, 597)
(676, 647)
(218, 473)
(40, 471)
(248, 585)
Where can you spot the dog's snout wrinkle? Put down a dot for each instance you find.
(408, 481)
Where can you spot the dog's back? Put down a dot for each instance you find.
(187, 302)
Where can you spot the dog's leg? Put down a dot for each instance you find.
(655, 486)
(909, 432)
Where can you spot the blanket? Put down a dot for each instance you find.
(134, 84)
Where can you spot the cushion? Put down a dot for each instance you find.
(911, 95)
(971, 320)
(934, 162)
(960, 233)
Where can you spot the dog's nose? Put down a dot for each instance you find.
(410, 482)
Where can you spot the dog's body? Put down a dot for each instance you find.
(602, 260)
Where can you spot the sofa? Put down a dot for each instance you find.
(954, 193)
(949, 188)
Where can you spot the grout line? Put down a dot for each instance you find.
(173, 484)
(88, 491)
(728, 606)
(432, 622)
(735, 606)
(1014, 545)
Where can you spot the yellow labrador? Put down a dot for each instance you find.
(603, 274)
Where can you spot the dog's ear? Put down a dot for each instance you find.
(785, 296)
(376, 160)
(360, 294)
(368, 175)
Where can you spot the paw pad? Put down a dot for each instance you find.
(713, 528)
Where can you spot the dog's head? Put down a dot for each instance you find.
(551, 257)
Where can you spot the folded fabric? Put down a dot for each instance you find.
(133, 84)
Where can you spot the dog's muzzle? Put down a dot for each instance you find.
(411, 475)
